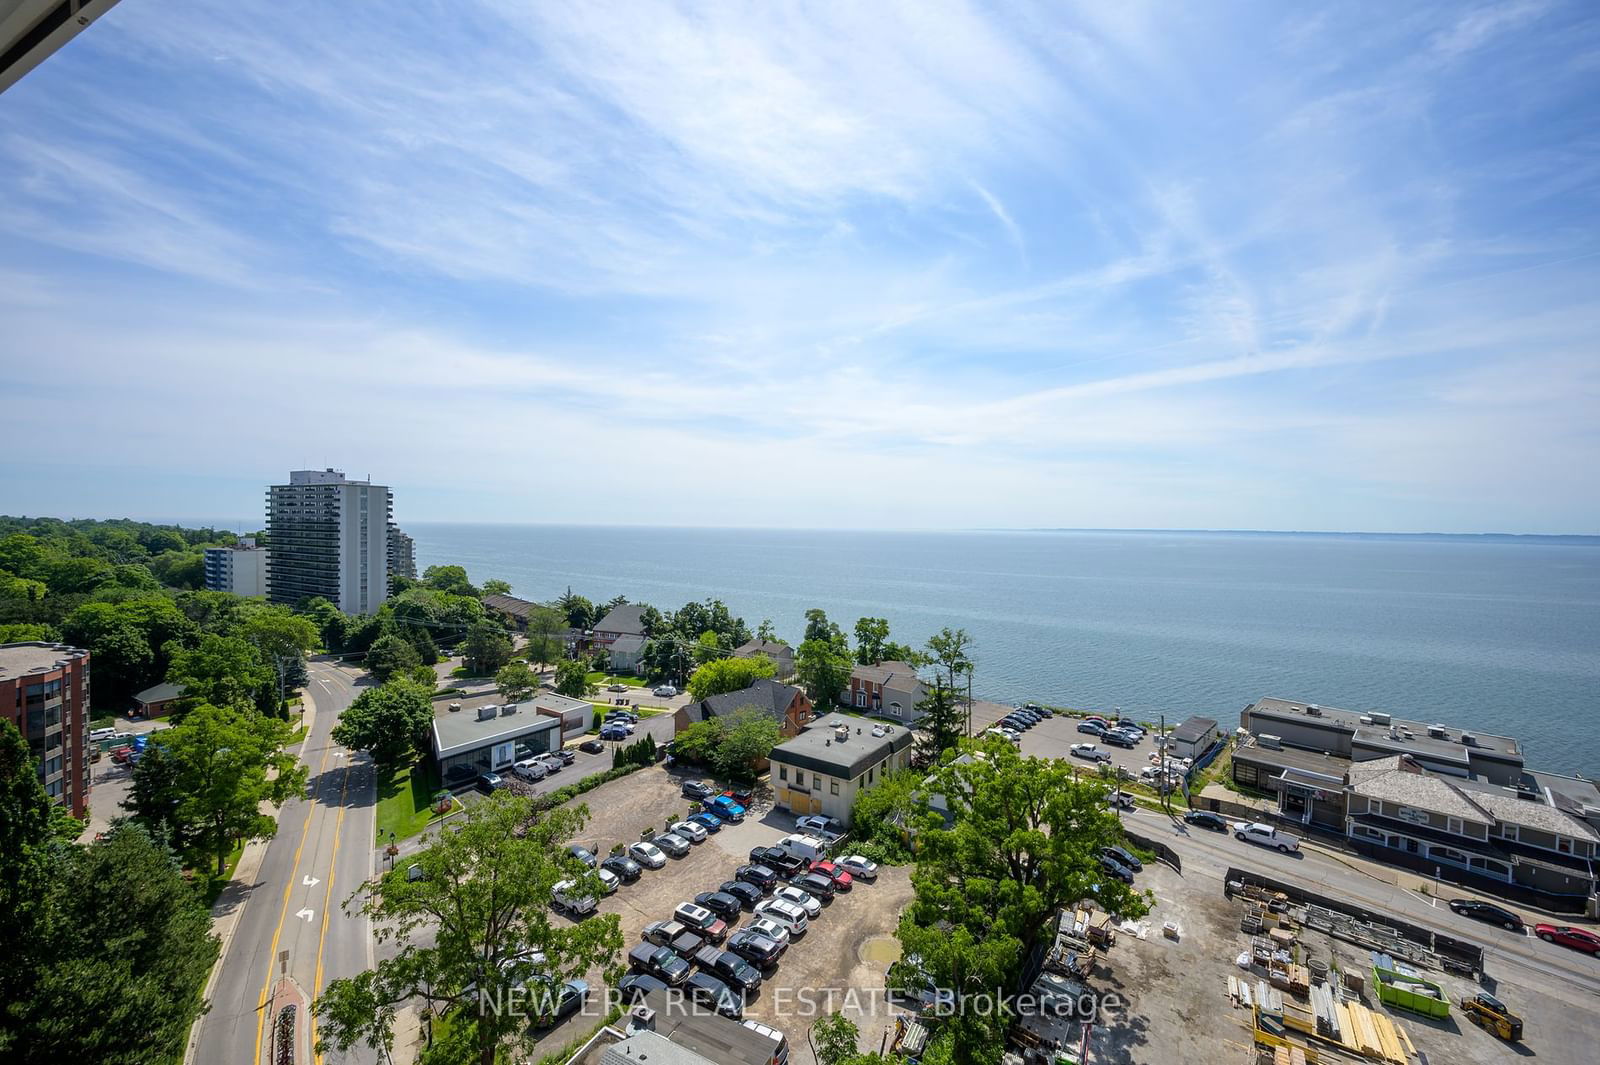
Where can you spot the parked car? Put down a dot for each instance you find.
(616, 687)
(725, 808)
(1037, 709)
(624, 867)
(1116, 868)
(783, 912)
(777, 859)
(1575, 938)
(1089, 751)
(817, 825)
(767, 926)
(1118, 738)
(842, 881)
(591, 746)
(675, 934)
(673, 844)
(731, 969)
(98, 734)
(635, 986)
(647, 854)
(1125, 856)
(1266, 836)
(552, 1009)
(859, 867)
(609, 881)
(701, 920)
(1206, 819)
(666, 691)
(809, 901)
(1092, 728)
(747, 893)
(761, 877)
(552, 762)
(1119, 799)
(1003, 734)
(740, 794)
(620, 714)
(1489, 912)
(566, 756)
(663, 963)
(709, 822)
(755, 947)
(490, 782)
(690, 831)
(720, 903)
(583, 854)
(709, 991)
(614, 733)
(697, 789)
(531, 770)
(565, 896)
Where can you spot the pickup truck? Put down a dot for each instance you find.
(1266, 835)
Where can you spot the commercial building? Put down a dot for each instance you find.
(402, 554)
(832, 760)
(240, 568)
(489, 737)
(669, 1028)
(1193, 738)
(329, 537)
(44, 692)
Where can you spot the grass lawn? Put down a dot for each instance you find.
(404, 800)
(297, 736)
(632, 680)
(212, 886)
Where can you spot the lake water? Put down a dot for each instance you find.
(1491, 635)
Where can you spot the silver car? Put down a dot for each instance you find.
(673, 844)
(647, 855)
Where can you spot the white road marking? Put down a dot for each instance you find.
(310, 881)
(306, 915)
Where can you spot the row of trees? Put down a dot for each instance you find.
(107, 948)
(732, 745)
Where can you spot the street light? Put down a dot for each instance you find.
(393, 850)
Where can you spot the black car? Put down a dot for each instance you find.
(1124, 856)
(1119, 739)
(697, 789)
(720, 903)
(661, 962)
(625, 867)
(582, 854)
(816, 885)
(709, 991)
(1489, 912)
(728, 967)
(762, 876)
(635, 986)
(1035, 708)
(1206, 819)
(747, 893)
(1116, 869)
(776, 859)
(1016, 723)
(756, 948)
(591, 747)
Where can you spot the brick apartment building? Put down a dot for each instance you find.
(44, 692)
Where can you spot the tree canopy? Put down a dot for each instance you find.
(391, 722)
(516, 682)
(730, 744)
(572, 679)
(487, 648)
(722, 675)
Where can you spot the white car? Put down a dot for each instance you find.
(1003, 734)
(778, 933)
(816, 825)
(690, 831)
(609, 880)
(666, 691)
(531, 769)
(799, 898)
(784, 913)
(859, 867)
(648, 855)
(96, 735)
(1089, 751)
(564, 896)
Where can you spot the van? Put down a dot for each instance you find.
(809, 848)
(96, 735)
(780, 1056)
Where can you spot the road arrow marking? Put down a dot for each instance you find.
(310, 881)
(306, 915)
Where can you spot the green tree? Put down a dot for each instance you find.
(487, 648)
(224, 671)
(154, 797)
(390, 722)
(22, 632)
(712, 615)
(818, 627)
(484, 896)
(871, 635)
(495, 586)
(391, 655)
(516, 682)
(837, 1039)
(228, 762)
(580, 612)
(723, 675)
(709, 647)
(748, 735)
(451, 579)
(951, 651)
(765, 631)
(329, 621)
(890, 813)
(572, 679)
(25, 838)
(943, 721)
(545, 634)
(823, 668)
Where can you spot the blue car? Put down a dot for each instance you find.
(725, 808)
(709, 822)
(613, 734)
(1093, 728)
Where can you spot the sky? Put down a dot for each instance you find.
(920, 265)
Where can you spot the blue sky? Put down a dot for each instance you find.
(863, 265)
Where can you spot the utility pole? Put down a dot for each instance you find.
(1166, 792)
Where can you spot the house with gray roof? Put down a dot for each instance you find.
(784, 703)
(782, 655)
(158, 700)
(890, 690)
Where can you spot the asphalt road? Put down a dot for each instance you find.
(293, 906)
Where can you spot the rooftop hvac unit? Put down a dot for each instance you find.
(1379, 719)
(486, 712)
(1468, 740)
(1366, 719)
(1272, 743)
(508, 709)
(1438, 732)
(1314, 710)
(842, 733)
(877, 731)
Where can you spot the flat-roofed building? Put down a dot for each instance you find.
(832, 760)
(488, 738)
(44, 692)
(239, 568)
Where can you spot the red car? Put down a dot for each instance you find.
(1576, 938)
(841, 879)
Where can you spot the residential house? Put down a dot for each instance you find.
(832, 760)
(624, 653)
(785, 703)
(509, 609)
(157, 701)
(625, 620)
(888, 689)
(782, 655)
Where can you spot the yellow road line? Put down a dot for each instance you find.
(272, 952)
(327, 902)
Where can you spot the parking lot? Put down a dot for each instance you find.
(843, 949)
(1054, 737)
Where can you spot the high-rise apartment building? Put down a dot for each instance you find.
(44, 691)
(402, 553)
(328, 535)
(240, 569)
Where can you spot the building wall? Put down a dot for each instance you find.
(51, 710)
(1308, 733)
(1193, 749)
(329, 537)
(803, 791)
(241, 571)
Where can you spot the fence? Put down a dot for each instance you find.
(1205, 759)
(1159, 849)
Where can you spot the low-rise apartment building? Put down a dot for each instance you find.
(44, 692)
(832, 760)
(240, 568)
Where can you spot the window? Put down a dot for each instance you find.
(783, 772)
(1447, 854)
(833, 787)
(1453, 826)
(861, 697)
(894, 709)
(1563, 844)
(869, 776)
(1509, 832)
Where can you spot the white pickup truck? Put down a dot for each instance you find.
(1266, 835)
